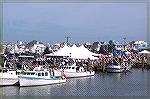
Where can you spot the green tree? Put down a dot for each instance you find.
(103, 48)
(1, 47)
(47, 51)
(7, 51)
(111, 46)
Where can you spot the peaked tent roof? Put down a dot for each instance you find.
(144, 52)
(65, 51)
(76, 52)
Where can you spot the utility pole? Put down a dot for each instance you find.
(148, 22)
(67, 39)
(124, 39)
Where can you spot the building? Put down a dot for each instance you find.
(36, 47)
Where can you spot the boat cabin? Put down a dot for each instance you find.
(72, 69)
(35, 73)
(39, 75)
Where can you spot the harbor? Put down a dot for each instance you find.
(133, 83)
(75, 49)
(47, 68)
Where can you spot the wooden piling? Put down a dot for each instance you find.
(103, 66)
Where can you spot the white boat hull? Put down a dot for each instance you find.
(35, 82)
(74, 74)
(117, 68)
(8, 81)
(114, 68)
(79, 74)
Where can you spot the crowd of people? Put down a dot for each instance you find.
(134, 59)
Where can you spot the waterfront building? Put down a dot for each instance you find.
(96, 46)
(140, 44)
(36, 47)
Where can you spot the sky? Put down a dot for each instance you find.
(82, 22)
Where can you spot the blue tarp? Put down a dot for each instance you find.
(117, 52)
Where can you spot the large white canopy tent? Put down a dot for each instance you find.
(65, 51)
(144, 52)
(76, 52)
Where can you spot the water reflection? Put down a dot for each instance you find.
(9, 91)
(133, 83)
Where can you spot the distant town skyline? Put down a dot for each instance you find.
(82, 22)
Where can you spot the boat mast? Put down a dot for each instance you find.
(5, 60)
(49, 69)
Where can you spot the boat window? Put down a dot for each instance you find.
(18, 73)
(42, 74)
(66, 67)
(46, 74)
(24, 73)
(5, 70)
(69, 67)
(72, 67)
(39, 74)
(56, 77)
(28, 73)
(32, 73)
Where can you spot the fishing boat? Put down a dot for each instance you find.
(118, 68)
(118, 65)
(114, 68)
(35, 78)
(71, 71)
(9, 77)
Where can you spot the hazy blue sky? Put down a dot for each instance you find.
(83, 22)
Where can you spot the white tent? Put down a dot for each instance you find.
(65, 51)
(81, 53)
(144, 52)
(76, 52)
(86, 53)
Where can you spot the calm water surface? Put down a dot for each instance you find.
(133, 83)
